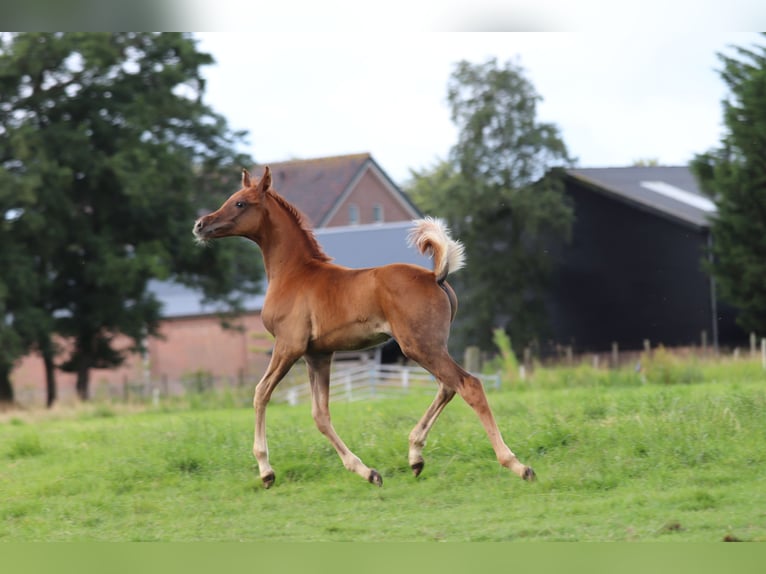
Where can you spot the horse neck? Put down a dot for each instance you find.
(283, 243)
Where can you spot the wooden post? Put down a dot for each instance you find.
(615, 354)
(647, 346)
(472, 359)
(703, 340)
(763, 353)
(569, 355)
(595, 360)
(752, 344)
(528, 358)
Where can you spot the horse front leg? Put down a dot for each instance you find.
(280, 364)
(319, 378)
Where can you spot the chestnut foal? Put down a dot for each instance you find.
(314, 308)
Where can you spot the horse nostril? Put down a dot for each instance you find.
(198, 225)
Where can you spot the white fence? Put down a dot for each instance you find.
(372, 381)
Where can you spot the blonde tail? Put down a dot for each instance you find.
(431, 237)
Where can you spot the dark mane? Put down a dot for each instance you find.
(316, 250)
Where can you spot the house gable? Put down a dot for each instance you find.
(321, 189)
(370, 192)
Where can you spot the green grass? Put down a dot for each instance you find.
(623, 462)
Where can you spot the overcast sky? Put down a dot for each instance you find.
(616, 97)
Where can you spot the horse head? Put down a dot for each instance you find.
(239, 215)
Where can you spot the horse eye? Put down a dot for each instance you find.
(240, 204)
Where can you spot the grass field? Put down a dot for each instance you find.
(615, 460)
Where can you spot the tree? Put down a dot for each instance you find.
(22, 318)
(502, 198)
(734, 175)
(109, 141)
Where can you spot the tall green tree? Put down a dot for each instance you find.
(734, 175)
(112, 150)
(26, 314)
(503, 199)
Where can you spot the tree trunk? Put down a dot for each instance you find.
(6, 390)
(83, 378)
(50, 376)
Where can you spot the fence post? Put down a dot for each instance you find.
(348, 387)
(406, 378)
(372, 381)
(752, 344)
(472, 359)
(763, 353)
(615, 354)
(528, 358)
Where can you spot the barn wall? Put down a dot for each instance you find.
(629, 275)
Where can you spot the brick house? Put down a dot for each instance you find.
(362, 220)
(341, 190)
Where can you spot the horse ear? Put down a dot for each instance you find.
(266, 179)
(245, 178)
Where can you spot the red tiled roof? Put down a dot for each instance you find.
(315, 185)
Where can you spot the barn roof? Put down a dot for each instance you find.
(670, 191)
(354, 246)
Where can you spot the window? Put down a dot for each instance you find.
(353, 214)
(377, 213)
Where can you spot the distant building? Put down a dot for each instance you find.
(341, 190)
(633, 270)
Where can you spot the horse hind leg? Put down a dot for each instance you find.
(472, 392)
(319, 378)
(452, 376)
(419, 434)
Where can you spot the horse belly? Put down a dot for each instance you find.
(355, 336)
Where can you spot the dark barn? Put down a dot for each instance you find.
(633, 270)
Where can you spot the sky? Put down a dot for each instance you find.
(617, 97)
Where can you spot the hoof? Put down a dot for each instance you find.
(529, 474)
(417, 468)
(268, 479)
(375, 478)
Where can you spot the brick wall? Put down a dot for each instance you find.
(370, 191)
(189, 347)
